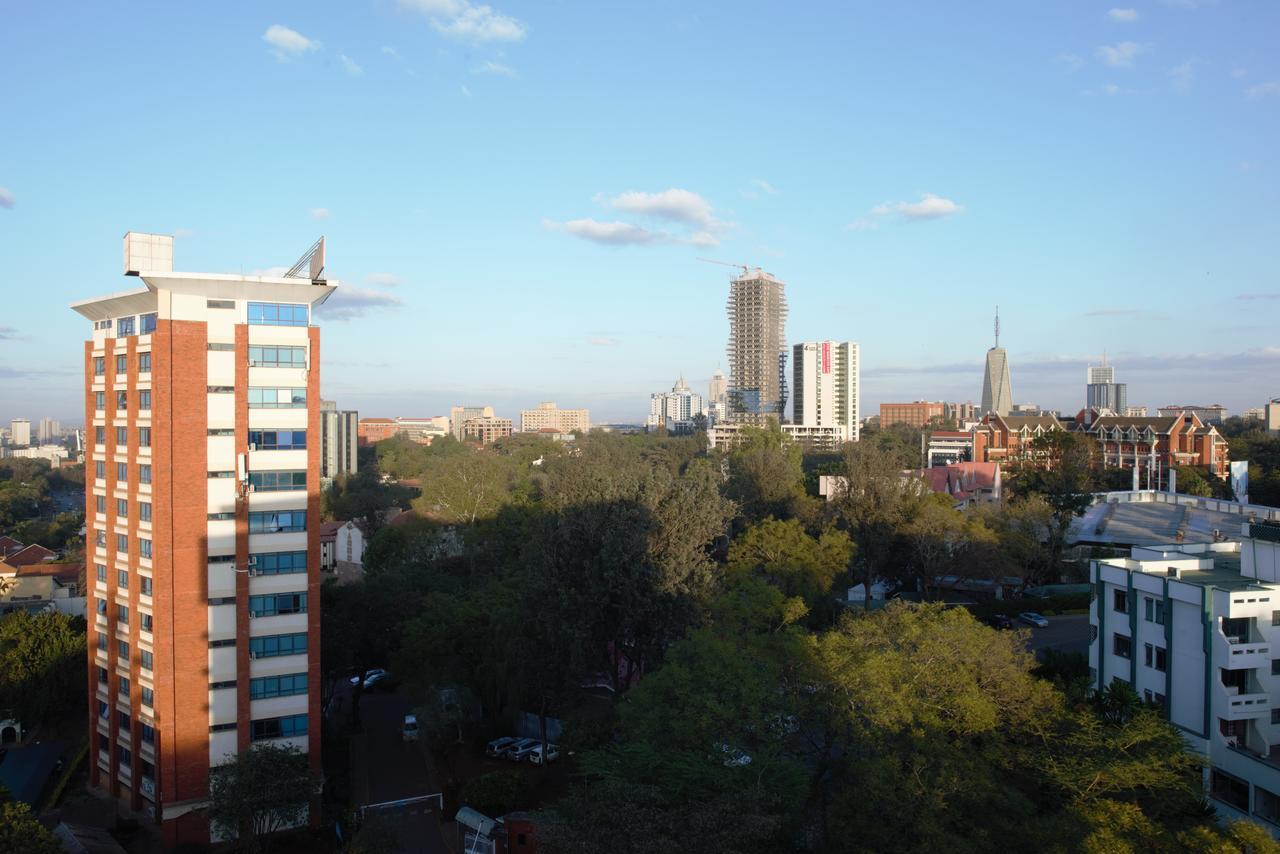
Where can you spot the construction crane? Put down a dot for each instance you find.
(745, 269)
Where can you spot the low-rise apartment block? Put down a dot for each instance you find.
(917, 414)
(486, 430)
(1195, 629)
(550, 418)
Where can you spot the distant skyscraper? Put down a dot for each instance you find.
(48, 430)
(718, 396)
(826, 375)
(460, 415)
(338, 429)
(1102, 391)
(549, 417)
(757, 349)
(675, 409)
(20, 431)
(997, 390)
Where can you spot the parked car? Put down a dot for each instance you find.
(1033, 619)
(373, 679)
(409, 732)
(498, 747)
(520, 751)
(553, 753)
(999, 621)
(733, 757)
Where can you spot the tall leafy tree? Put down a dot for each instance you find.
(1060, 469)
(265, 789)
(787, 556)
(766, 475)
(42, 664)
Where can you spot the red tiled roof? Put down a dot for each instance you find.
(29, 555)
(8, 545)
(57, 570)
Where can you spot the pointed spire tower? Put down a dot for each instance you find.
(997, 390)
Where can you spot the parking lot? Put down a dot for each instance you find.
(1066, 633)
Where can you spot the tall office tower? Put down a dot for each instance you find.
(825, 386)
(674, 410)
(460, 415)
(202, 402)
(48, 430)
(20, 432)
(338, 438)
(757, 348)
(1103, 392)
(997, 390)
(717, 402)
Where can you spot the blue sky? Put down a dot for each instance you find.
(516, 196)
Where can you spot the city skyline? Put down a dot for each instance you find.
(1073, 162)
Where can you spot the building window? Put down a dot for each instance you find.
(277, 481)
(278, 686)
(221, 517)
(144, 363)
(99, 469)
(230, 727)
(277, 522)
(216, 474)
(103, 675)
(147, 660)
(122, 364)
(222, 642)
(277, 314)
(1229, 789)
(122, 543)
(148, 696)
(122, 400)
(147, 733)
(144, 473)
(1161, 659)
(147, 618)
(124, 756)
(144, 584)
(100, 538)
(279, 563)
(222, 346)
(144, 511)
(278, 357)
(220, 389)
(144, 437)
(122, 435)
(220, 303)
(269, 646)
(100, 435)
(1147, 654)
(99, 366)
(104, 711)
(1275, 618)
(102, 572)
(101, 607)
(102, 642)
(124, 327)
(99, 400)
(278, 440)
(1120, 599)
(122, 472)
(144, 398)
(286, 727)
(124, 688)
(277, 398)
(100, 503)
(122, 611)
(222, 686)
(1159, 700)
(144, 547)
(147, 322)
(277, 603)
(122, 508)
(122, 649)
(1121, 646)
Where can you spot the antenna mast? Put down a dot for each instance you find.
(997, 327)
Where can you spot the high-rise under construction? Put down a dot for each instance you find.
(757, 349)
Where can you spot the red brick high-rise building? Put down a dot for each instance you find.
(202, 491)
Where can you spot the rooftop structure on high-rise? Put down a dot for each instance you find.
(997, 389)
(1102, 392)
(757, 349)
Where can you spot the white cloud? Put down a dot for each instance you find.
(390, 51)
(466, 91)
(1238, 73)
(1071, 60)
(673, 204)
(1123, 16)
(602, 341)
(348, 302)
(764, 185)
(1120, 55)
(930, 206)
(1262, 90)
(494, 68)
(1183, 75)
(183, 232)
(609, 233)
(386, 280)
(6, 198)
(466, 21)
(1266, 296)
(319, 213)
(349, 65)
(288, 43)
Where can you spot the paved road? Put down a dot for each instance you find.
(385, 768)
(1069, 633)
